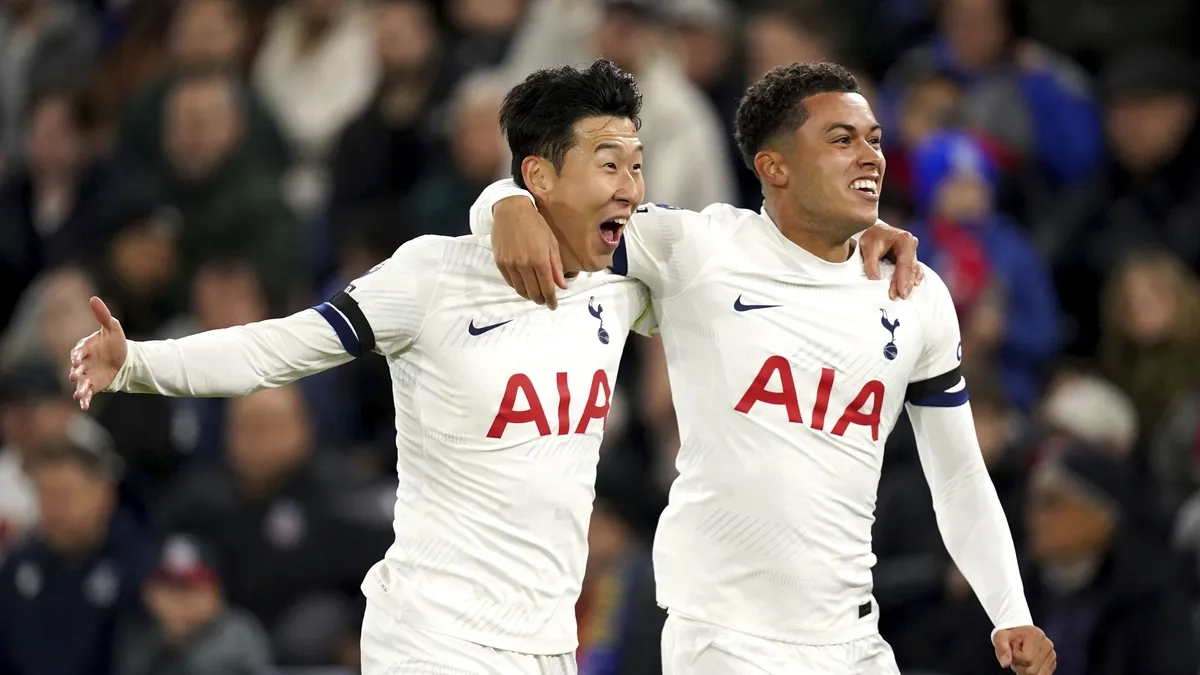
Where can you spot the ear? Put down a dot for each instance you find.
(539, 175)
(771, 168)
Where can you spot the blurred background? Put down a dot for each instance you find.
(206, 163)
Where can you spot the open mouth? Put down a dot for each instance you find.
(610, 231)
(867, 186)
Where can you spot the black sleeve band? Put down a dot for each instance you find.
(358, 321)
(918, 391)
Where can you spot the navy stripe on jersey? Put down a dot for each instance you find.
(620, 263)
(933, 392)
(350, 324)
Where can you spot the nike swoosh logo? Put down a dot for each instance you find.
(480, 330)
(738, 306)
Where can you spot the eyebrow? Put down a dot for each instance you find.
(851, 128)
(608, 145)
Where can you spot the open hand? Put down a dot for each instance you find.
(96, 359)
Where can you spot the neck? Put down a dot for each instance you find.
(571, 264)
(800, 229)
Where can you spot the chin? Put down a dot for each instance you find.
(865, 220)
(598, 263)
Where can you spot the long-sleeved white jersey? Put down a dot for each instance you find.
(787, 373)
(500, 409)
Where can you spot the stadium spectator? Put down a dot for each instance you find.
(1107, 593)
(46, 320)
(1027, 97)
(34, 409)
(203, 35)
(63, 590)
(317, 70)
(478, 155)
(43, 44)
(191, 629)
(384, 151)
(1150, 343)
(52, 204)
(1089, 408)
(1145, 196)
(478, 37)
(687, 160)
(1000, 284)
(228, 197)
(274, 515)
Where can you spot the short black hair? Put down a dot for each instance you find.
(774, 105)
(538, 115)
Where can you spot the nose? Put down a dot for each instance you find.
(628, 189)
(870, 156)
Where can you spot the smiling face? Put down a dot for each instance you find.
(835, 164)
(590, 198)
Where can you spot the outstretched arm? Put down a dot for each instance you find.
(382, 311)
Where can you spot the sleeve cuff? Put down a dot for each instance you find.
(501, 192)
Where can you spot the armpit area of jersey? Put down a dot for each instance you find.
(947, 390)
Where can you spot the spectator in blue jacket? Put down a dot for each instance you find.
(63, 590)
(1000, 283)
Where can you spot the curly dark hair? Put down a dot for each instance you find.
(774, 105)
(538, 115)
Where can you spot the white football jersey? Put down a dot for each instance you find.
(807, 365)
(500, 410)
(787, 374)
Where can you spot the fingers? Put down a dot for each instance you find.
(78, 351)
(1004, 654)
(99, 310)
(557, 267)
(546, 286)
(871, 265)
(1041, 656)
(517, 282)
(83, 393)
(529, 281)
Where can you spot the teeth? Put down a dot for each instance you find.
(864, 184)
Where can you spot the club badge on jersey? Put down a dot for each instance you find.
(890, 350)
(596, 312)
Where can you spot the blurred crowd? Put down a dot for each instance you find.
(201, 164)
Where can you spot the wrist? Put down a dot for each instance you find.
(518, 204)
(124, 374)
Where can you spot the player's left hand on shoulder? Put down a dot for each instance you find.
(884, 242)
(1026, 650)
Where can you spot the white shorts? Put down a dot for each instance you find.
(390, 647)
(697, 648)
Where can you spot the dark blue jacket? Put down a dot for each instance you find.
(58, 616)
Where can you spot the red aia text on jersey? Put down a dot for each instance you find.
(598, 398)
(871, 392)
